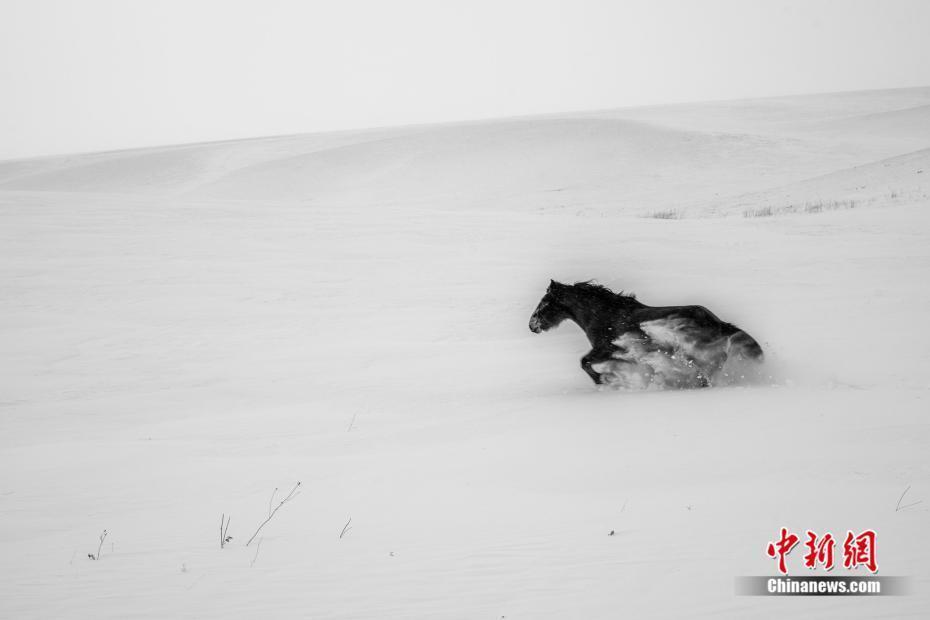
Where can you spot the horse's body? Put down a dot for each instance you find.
(635, 345)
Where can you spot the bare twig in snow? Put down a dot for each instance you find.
(99, 547)
(271, 500)
(257, 549)
(196, 581)
(273, 512)
(906, 506)
(224, 530)
(345, 528)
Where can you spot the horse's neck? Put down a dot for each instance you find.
(585, 311)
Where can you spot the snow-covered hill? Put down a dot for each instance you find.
(186, 328)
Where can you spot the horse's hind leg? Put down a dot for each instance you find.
(714, 361)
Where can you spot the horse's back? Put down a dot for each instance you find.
(697, 316)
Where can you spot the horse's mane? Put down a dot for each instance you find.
(590, 286)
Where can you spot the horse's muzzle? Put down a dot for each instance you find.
(534, 325)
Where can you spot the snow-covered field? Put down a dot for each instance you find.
(185, 329)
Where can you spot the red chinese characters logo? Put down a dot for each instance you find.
(857, 550)
(782, 548)
(819, 551)
(860, 550)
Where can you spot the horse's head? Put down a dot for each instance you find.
(551, 310)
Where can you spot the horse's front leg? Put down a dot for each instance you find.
(595, 356)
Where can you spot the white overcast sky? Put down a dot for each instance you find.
(83, 75)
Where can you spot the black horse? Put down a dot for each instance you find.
(635, 345)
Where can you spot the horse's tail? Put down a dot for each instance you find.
(743, 346)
